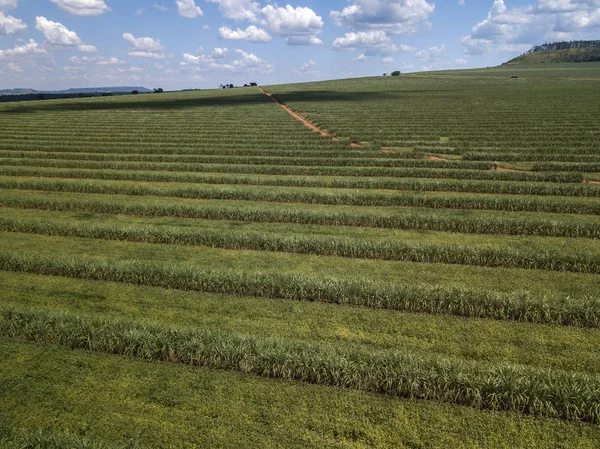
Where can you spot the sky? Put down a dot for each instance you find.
(199, 44)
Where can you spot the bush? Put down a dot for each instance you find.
(134, 92)
(396, 73)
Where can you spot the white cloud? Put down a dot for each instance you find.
(392, 16)
(85, 48)
(6, 5)
(243, 62)
(517, 29)
(251, 34)
(10, 25)
(299, 26)
(56, 33)
(32, 48)
(14, 67)
(144, 47)
(361, 58)
(82, 8)
(431, 55)
(188, 8)
(387, 60)
(219, 53)
(146, 54)
(308, 68)
(371, 42)
(238, 9)
(461, 2)
(160, 7)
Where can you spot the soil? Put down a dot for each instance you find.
(303, 120)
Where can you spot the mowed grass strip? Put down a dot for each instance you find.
(463, 221)
(546, 347)
(413, 172)
(411, 297)
(120, 400)
(362, 248)
(446, 200)
(555, 394)
(261, 160)
(415, 184)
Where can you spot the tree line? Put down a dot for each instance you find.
(564, 45)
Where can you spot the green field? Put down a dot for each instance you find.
(200, 269)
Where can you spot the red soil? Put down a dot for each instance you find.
(303, 120)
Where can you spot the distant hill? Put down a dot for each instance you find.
(560, 52)
(74, 91)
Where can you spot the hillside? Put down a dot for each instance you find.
(560, 52)
(418, 268)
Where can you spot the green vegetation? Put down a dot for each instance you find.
(199, 269)
(557, 52)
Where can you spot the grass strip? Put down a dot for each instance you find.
(318, 245)
(468, 302)
(408, 220)
(420, 185)
(331, 197)
(413, 172)
(498, 387)
(132, 402)
(259, 160)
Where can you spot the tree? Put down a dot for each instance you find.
(385, 74)
(396, 73)
(134, 92)
(158, 90)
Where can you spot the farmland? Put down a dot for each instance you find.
(200, 269)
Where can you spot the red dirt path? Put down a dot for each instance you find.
(357, 145)
(303, 120)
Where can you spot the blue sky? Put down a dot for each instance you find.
(176, 44)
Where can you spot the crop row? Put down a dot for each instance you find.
(500, 387)
(319, 245)
(304, 171)
(420, 298)
(250, 160)
(531, 157)
(168, 153)
(567, 167)
(426, 220)
(418, 185)
(332, 197)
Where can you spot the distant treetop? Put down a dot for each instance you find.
(564, 45)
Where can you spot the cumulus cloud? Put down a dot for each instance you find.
(83, 8)
(188, 8)
(361, 58)
(58, 35)
(10, 25)
(517, 29)
(5, 5)
(144, 47)
(370, 42)
(31, 48)
(308, 68)
(299, 26)
(86, 48)
(219, 53)
(391, 16)
(238, 9)
(431, 55)
(251, 34)
(242, 62)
